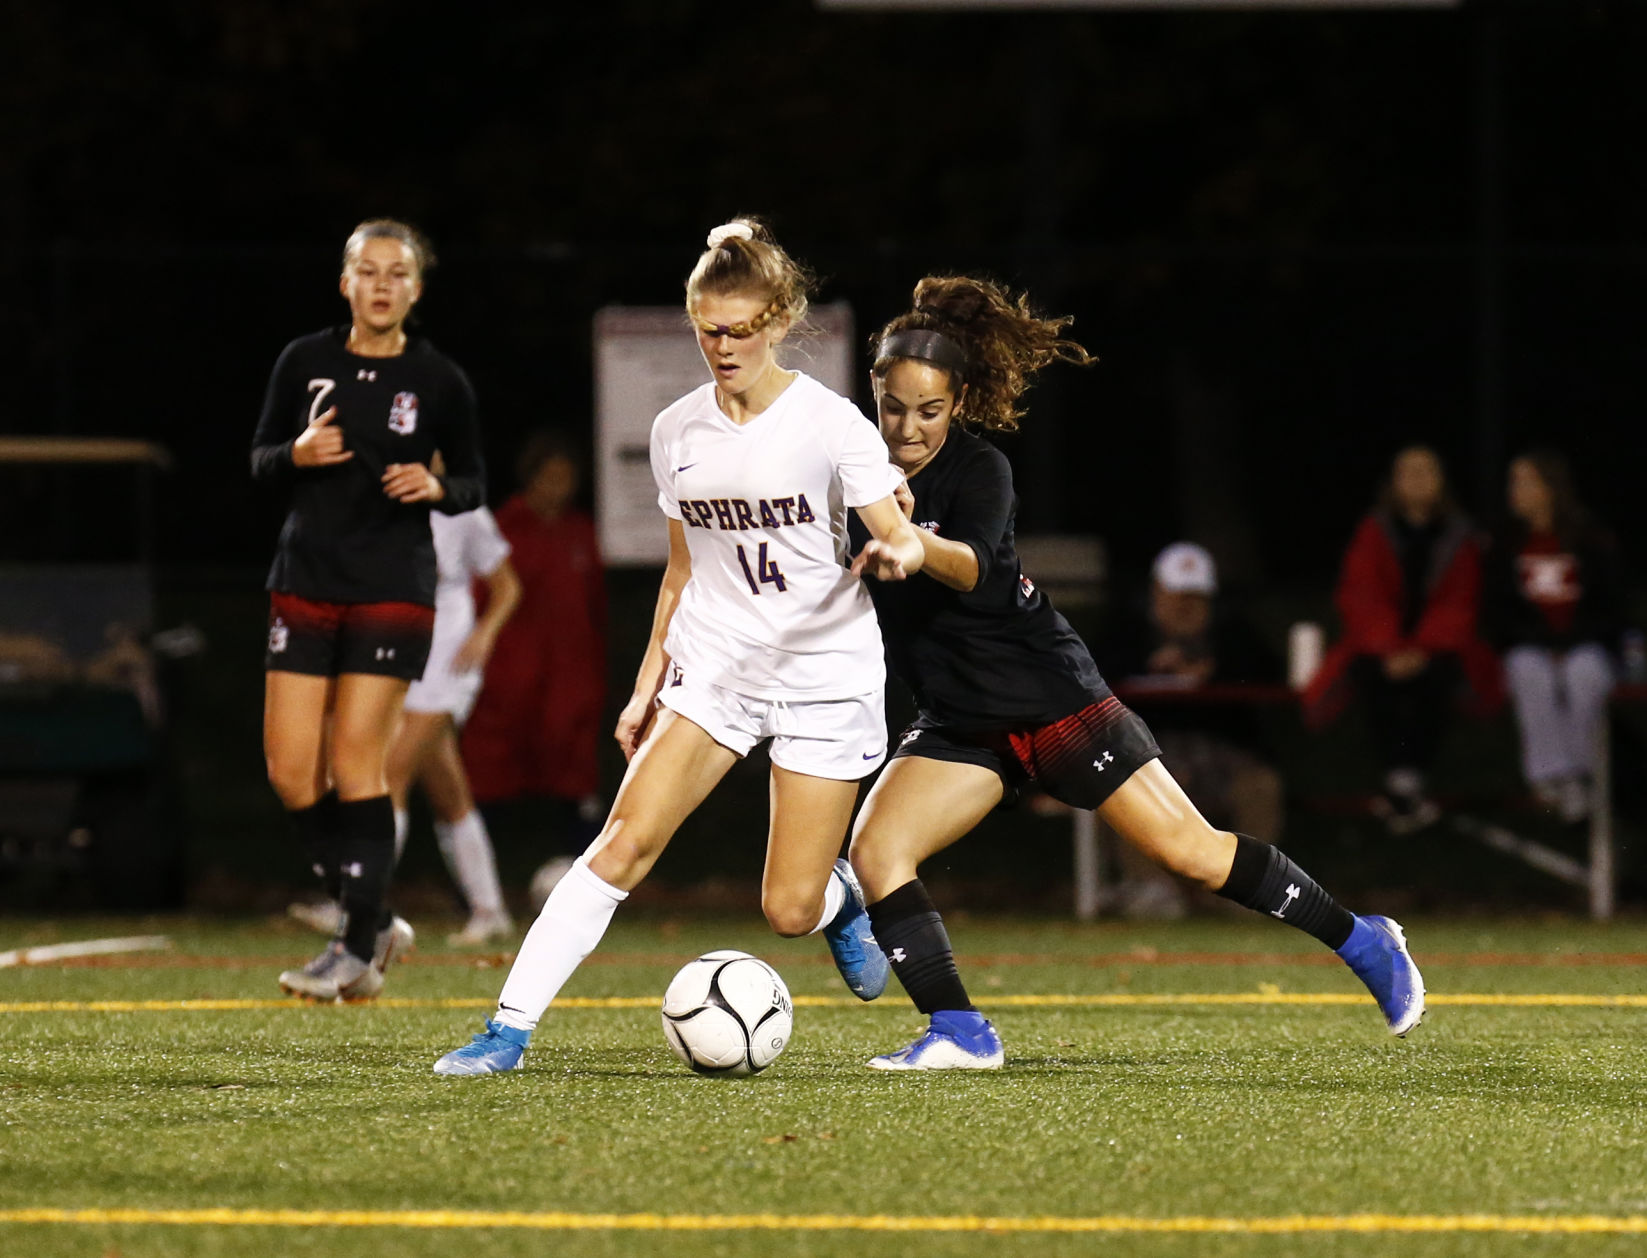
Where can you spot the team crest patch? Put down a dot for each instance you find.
(1026, 586)
(278, 636)
(403, 414)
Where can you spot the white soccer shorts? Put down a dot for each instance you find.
(843, 739)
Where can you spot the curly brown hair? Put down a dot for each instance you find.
(751, 266)
(1005, 342)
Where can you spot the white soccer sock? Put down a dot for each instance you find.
(403, 823)
(834, 898)
(572, 922)
(468, 852)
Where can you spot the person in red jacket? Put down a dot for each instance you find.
(1408, 597)
(536, 726)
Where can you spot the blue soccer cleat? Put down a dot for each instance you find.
(496, 1049)
(1377, 951)
(954, 1041)
(851, 942)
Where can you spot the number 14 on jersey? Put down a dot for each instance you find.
(765, 568)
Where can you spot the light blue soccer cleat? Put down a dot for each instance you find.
(956, 1040)
(851, 942)
(496, 1049)
(1377, 951)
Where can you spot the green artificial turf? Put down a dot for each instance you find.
(1233, 1111)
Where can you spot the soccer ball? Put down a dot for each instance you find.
(545, 880)
(727, 1013)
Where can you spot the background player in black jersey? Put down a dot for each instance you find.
(351, 421)
(1006, 690)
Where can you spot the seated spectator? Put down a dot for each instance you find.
(1554, 608)
(1408, 597)
(1179, 642)
(1182, 642)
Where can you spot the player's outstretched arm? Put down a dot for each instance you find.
(954, 564)
(636, 717)
(950, 563)
(894, 550)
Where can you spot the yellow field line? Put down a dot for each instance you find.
(559, 1221)
(1555, 1000)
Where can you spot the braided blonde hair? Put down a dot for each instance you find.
(744, 260)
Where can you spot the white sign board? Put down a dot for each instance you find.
(645, 358)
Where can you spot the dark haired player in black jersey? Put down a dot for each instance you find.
(1007, 692)
(352, 418)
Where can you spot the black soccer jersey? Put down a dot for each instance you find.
(344, 540)
(1000, 655)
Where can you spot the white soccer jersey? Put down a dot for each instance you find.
(467, 546)
(772, 610)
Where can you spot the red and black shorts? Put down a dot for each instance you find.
(1079, 760)
(329, 639)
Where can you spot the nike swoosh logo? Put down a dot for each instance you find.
(871, 755)
(684, 466)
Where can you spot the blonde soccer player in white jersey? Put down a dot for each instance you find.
(763, 632)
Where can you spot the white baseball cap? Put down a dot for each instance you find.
(1185, 568)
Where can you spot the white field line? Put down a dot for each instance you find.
(84, 948)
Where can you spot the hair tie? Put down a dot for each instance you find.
(730, 231)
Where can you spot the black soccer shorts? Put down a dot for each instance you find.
(1079, 760)
(329, 639)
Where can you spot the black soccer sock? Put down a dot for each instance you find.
(910, 932)
(1264, 880)
(366, 833)
(315, 827)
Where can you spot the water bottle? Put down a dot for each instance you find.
(1306, 642)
